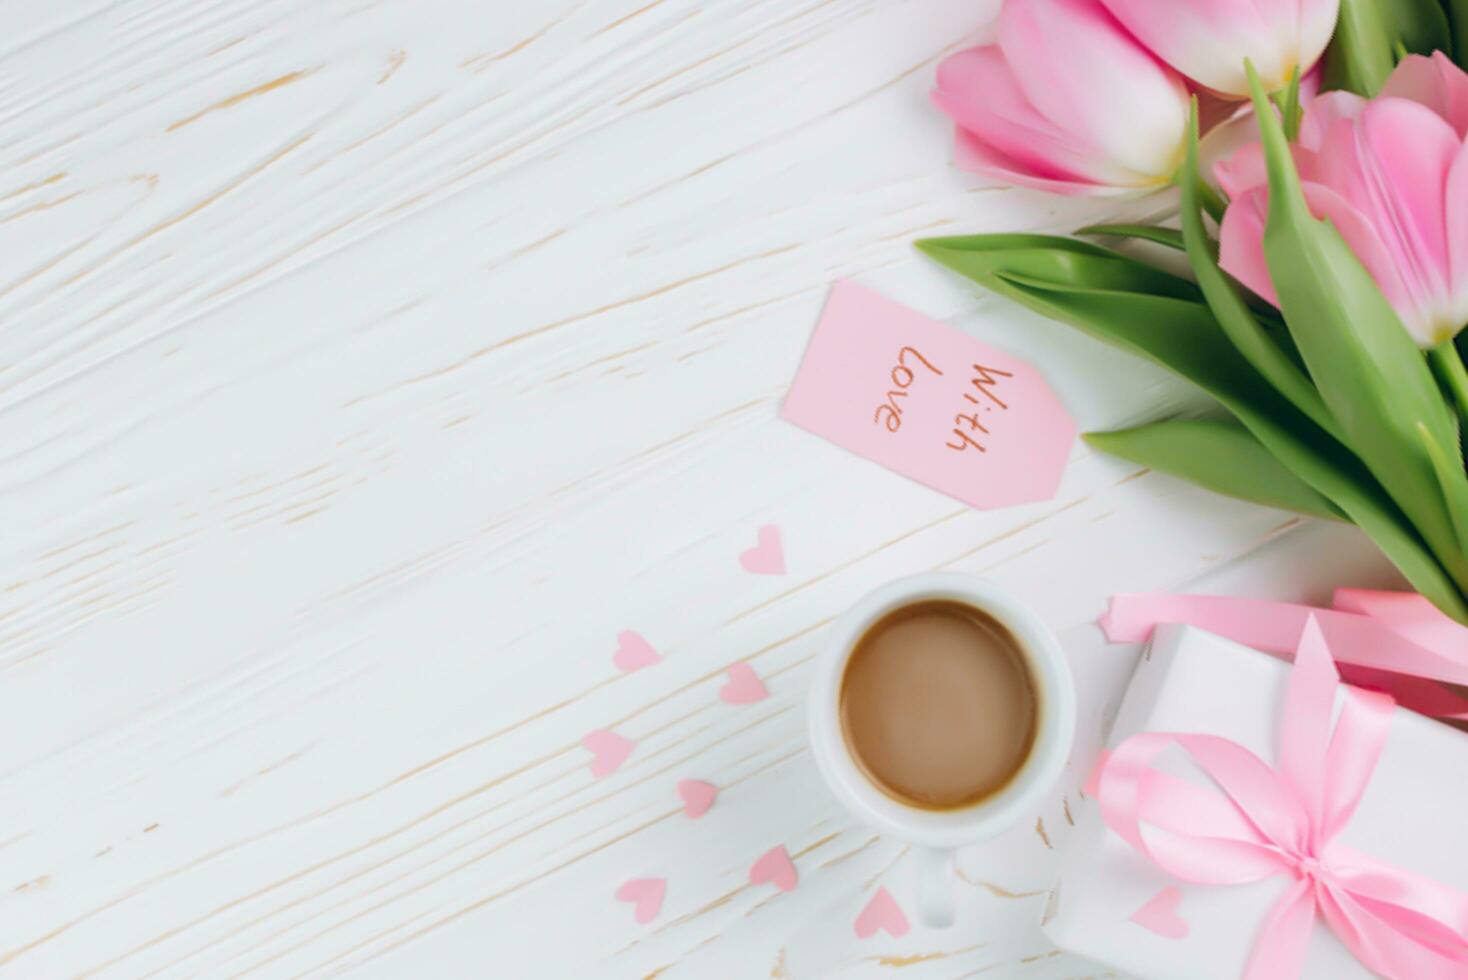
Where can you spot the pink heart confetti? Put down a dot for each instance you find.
(647, 896)
(697, 797)
(1159, 915)
(767, 557)
(774, 868)
(882, 912)
(743, 686)
(634, 652)
(609, 750)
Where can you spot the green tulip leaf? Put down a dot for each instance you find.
(1420, 26)
(1052, 259)
(1169, 237)
(1369, 34)
(1179, 333)
(1361, 56)
(1232, 312)
(1457, 14)
(1369, 372)
(1449, 470)
(1220, 456)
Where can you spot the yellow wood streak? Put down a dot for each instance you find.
(848, 855)
(281, 82)
(382, 838)
(192, 209)
(514, 888)
(576, 318)
(898, 962)
(624, 19)
(394, 62)
(46, 182)
(886, 867)
(480, 63)
(998, 891)
(391, 124)
(1014, 531)
(40, 206)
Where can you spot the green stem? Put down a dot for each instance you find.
(1209, 198)
(1448, 367)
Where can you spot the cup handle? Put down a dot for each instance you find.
(936, 892)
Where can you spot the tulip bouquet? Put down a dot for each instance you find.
(1329, 254)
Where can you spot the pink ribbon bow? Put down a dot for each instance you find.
(1267, 822)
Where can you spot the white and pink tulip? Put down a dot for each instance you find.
(1209, 40)
(1066, 101)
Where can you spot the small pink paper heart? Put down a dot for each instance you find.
(609, 750)
(767, 557)
(743, 686)
(1159, 915)
(634, 652)
(776, 868)
(882, 912)
(697, 797)
(647, 894)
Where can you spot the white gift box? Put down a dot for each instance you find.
(1413, 815)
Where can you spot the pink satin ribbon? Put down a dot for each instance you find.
(1395, 642)
(1260, 822)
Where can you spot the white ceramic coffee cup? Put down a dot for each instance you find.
(938, 833)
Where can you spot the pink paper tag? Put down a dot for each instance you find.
(929, 402)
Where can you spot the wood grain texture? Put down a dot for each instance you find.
(367, 365)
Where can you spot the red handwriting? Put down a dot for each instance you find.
(889, 413)
(984, 382)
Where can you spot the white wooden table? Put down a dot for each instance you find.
(366, 366)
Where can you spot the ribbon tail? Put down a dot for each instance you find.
(1394, 942)
(1284, 936)
(1304, 729)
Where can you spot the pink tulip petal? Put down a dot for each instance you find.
(1317, 25)
(1392, 166)
(1208, 40)
(1360, 235)
(1241, 242)
(1436, 83)
(977, 90)
(1246, 169)
(1089, 77)
(1241, 238)
(973, 155)
(1325, 112)
(1242, 172)
(1457, 234)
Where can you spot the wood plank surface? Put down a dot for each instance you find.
(366, 366)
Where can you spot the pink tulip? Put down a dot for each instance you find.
(1066, 101)
(1435, 82)
(1208, 40)
(1392, 175)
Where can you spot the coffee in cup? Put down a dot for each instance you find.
(941, 712)
(938, 706)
